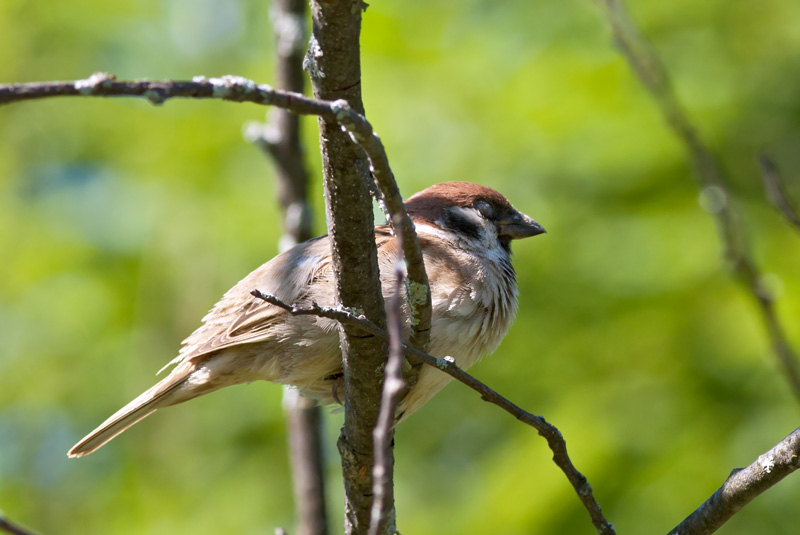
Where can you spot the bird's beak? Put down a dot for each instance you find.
(518, 225)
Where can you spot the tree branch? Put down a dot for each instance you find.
(776, 192)
(8, 526)
(652, 74)
(334, 65)
(742, 486)
(551, 434)
(393, 389)
(229, 87)
(305, 427)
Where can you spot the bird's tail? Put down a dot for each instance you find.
(162, 394)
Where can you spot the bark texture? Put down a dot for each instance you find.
(333, 62)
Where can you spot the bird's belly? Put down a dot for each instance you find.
(465, 341)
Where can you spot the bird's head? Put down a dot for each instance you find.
(474, 212)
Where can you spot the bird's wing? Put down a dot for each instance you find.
(302, 276)
(295, 276)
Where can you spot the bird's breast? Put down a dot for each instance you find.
(474, 303)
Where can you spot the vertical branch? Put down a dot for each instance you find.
(393, 387)
(305, 426)
(280, 140)
(333, 62)
(652, 74)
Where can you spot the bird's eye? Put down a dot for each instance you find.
(484, 208)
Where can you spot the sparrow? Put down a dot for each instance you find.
(465, 232)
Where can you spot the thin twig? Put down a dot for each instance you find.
(8, 526)
(652, 74)
(393, 386)
(776, 192)
(231, 88)
(550, 433)
(742, 486)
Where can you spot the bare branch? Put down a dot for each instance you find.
(305, 427)
(776, 192)
(742, 486)
(708, 173)
(393, 388)
(8, 526)
(334, 64)
(550, 433)
(231, 88)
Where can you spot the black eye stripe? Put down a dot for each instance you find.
(460, 222)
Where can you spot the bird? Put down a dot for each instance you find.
(465, 232)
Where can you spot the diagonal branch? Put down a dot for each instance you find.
(7, 526)
(551, 434)
(776, 192)
(709, 175)
(742, 486)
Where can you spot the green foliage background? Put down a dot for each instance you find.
(122, 223)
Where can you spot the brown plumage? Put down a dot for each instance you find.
(464, 231)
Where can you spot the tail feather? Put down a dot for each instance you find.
(143, 406)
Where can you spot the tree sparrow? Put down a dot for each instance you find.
(464, 230)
